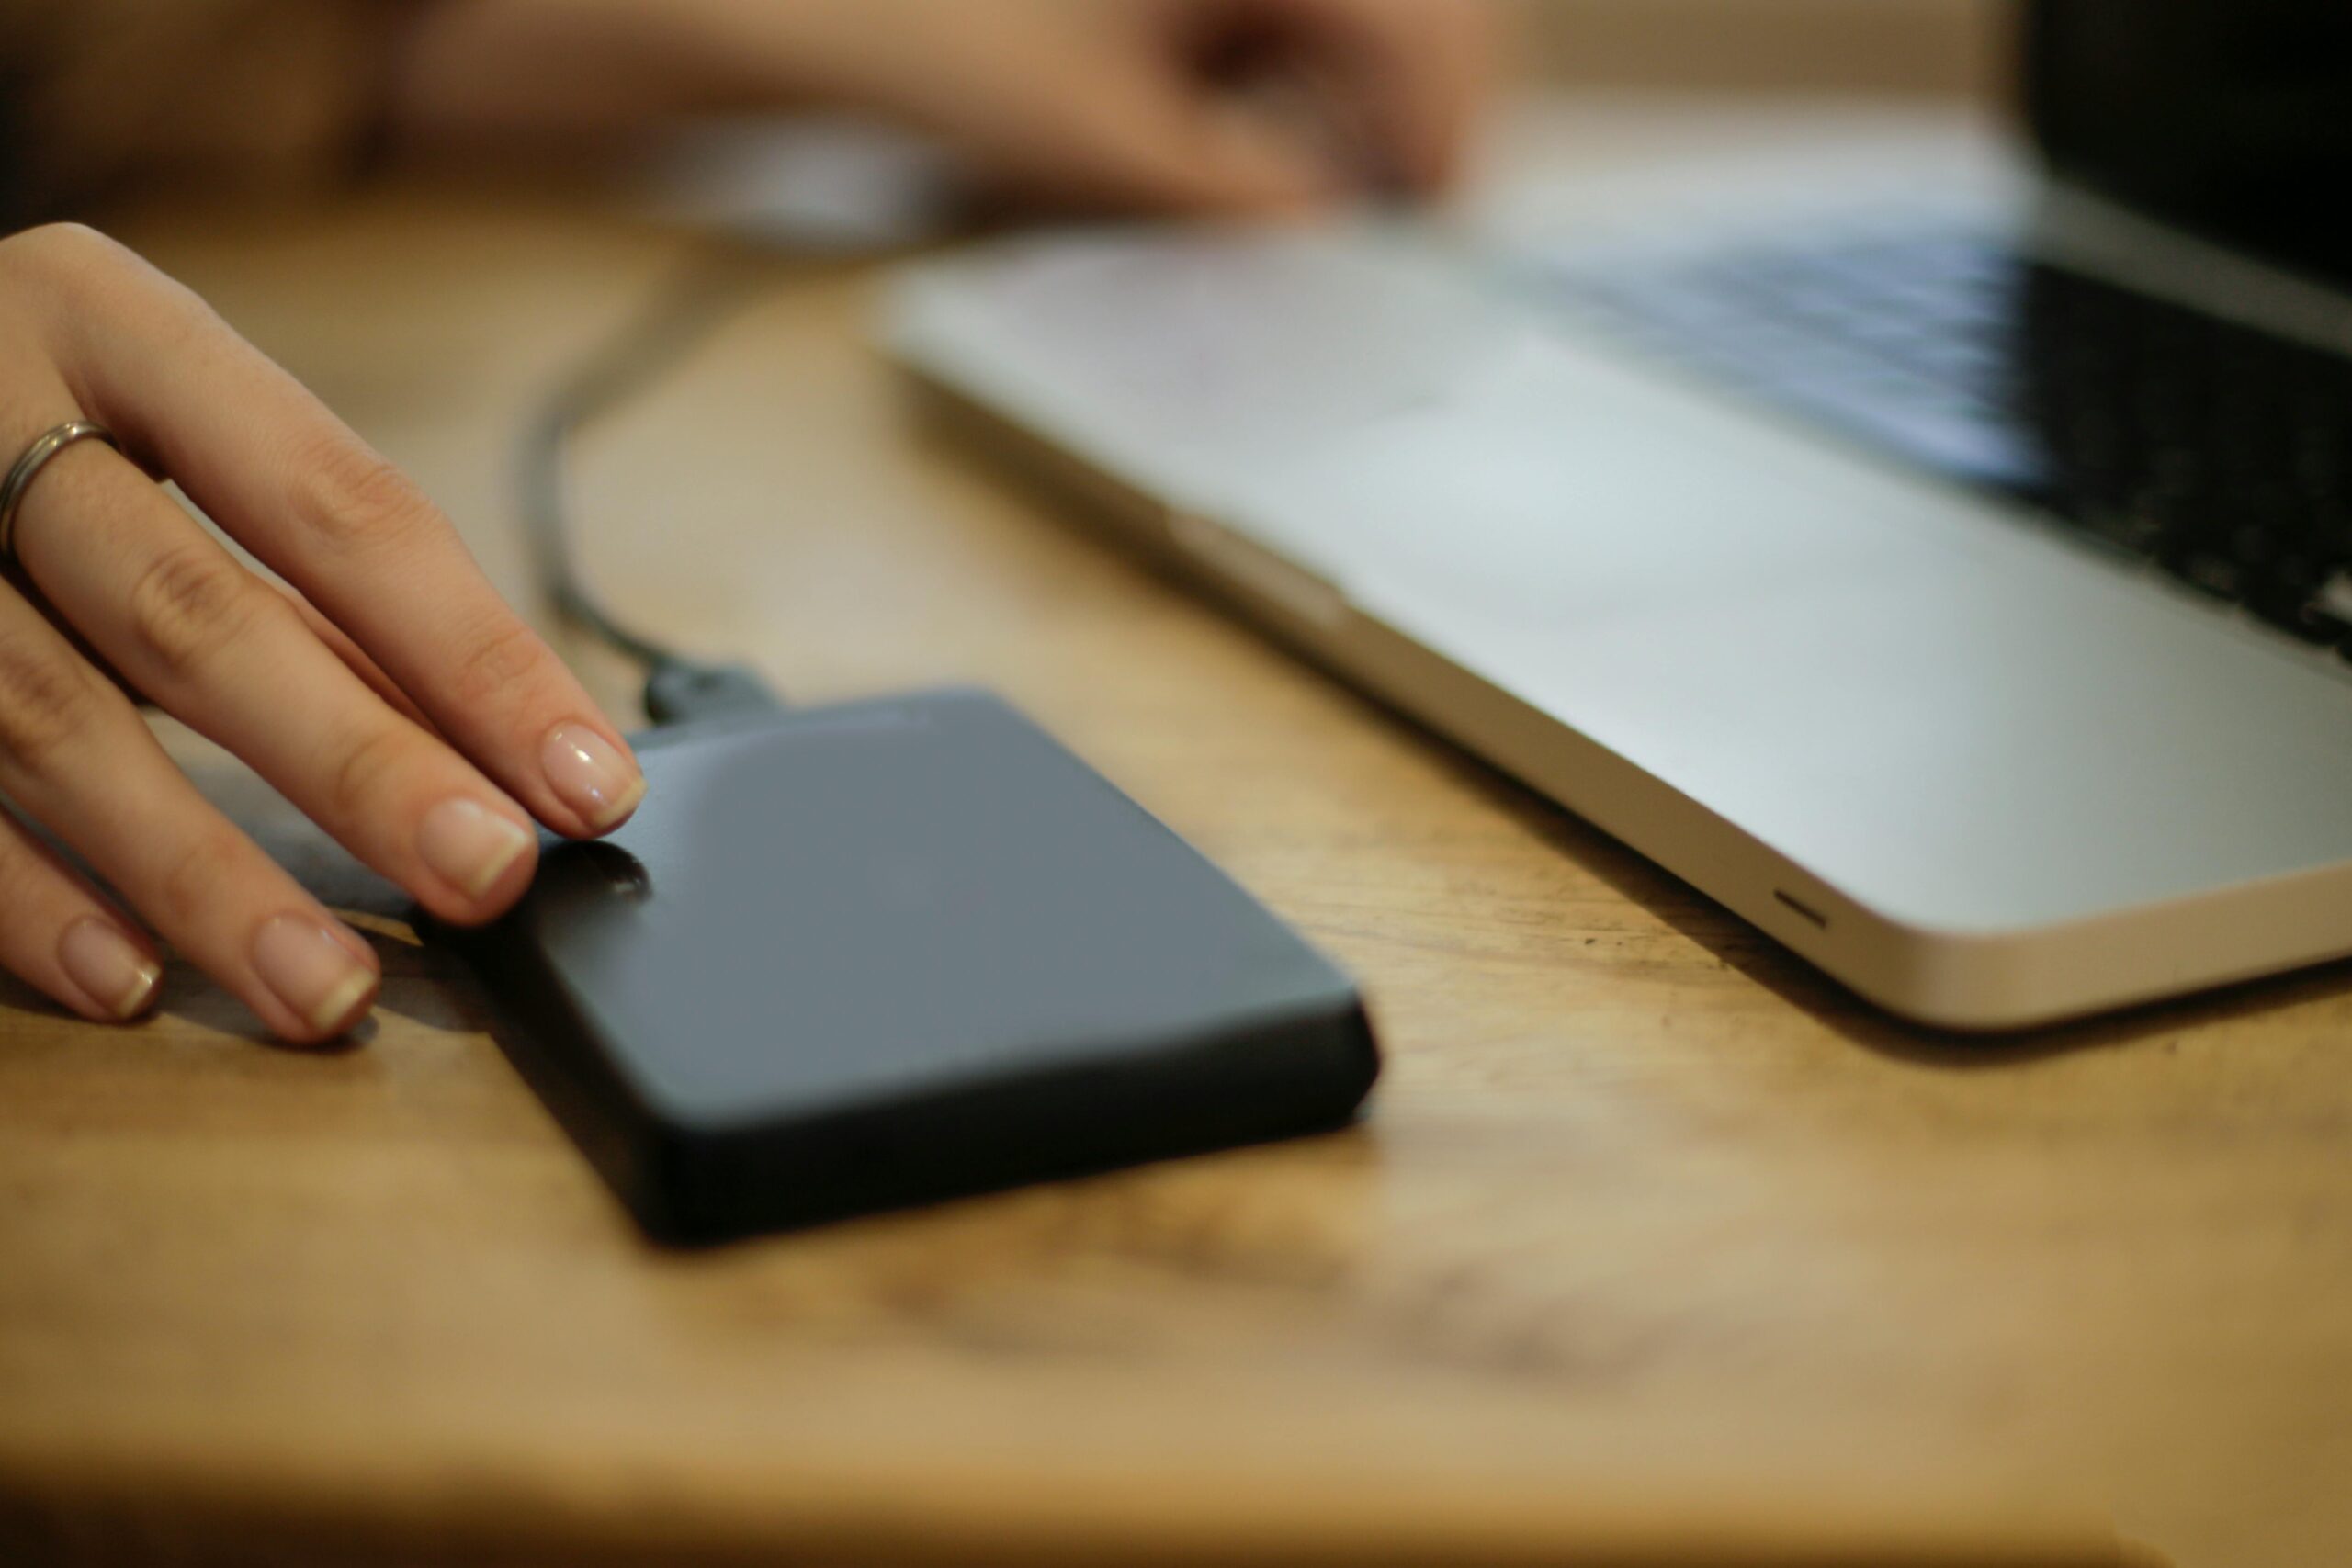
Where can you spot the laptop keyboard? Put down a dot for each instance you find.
(2214, 451)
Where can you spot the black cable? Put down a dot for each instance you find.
(714, 285)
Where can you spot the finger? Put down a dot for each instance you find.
(1123, 126)
(1409, 77)
(298, 488)
(76, 756)
(211, 644)
(354, 659)
(59, 935)
(1160, 143)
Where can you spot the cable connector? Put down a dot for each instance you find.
(678, 689)
(678, 692)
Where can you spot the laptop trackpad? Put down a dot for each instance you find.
(1550, 490)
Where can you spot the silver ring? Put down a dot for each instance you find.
(29, 467)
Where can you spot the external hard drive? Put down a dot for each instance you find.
(875, 956)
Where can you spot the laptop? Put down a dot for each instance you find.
(1934, 543)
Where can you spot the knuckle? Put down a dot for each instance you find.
(496, 661)
(83, 287)
(68, 251)
(70, 268)
(355, 501)
(46, 700)
(190, 604)
(364, 763)
(197, 871)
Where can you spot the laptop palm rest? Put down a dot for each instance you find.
(1944, 718)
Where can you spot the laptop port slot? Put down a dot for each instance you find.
(1807, 910)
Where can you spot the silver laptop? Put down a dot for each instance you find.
(1946, 566)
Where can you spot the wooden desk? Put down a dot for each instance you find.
(1653, 1234)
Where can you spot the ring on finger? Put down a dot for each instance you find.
(28, 468)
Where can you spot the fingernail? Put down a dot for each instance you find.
(593, 778)
(300, 960)
(468, 845)
(110, 968)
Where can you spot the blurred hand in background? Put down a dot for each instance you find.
(1185, 106)
(1158, 106)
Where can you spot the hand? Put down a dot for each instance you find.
(1175, 106)
(398, 701)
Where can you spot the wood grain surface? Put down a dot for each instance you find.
(1656, 1248)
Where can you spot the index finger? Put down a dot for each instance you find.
(299, 487)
